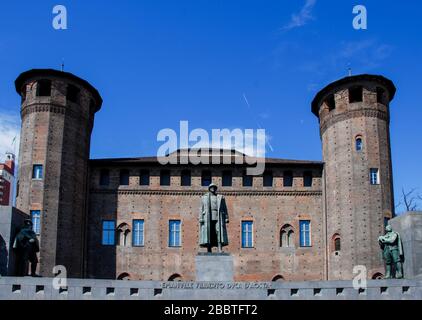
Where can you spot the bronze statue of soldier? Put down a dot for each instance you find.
(392, 248)
(26, 246)
(212, 220)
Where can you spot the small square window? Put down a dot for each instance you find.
(374, 176)
(227, 179)
(104, 177)
(36, 219)
(185, 179)
(355, 94)
(247, 180)
(164, 178)
(288, 179)
(144, 178)
(307, 179)
(124, 177)
(72, 93)
(44, 88)
(268, 179)
(37, 171)
(206, 178)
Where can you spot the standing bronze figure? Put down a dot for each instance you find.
(212, 220)
(26, 247)
(392, 248)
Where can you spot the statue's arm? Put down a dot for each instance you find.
(391, 238)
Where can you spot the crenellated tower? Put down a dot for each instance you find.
(57, 114)
(354, 121)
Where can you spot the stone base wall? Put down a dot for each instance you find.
(12, 288)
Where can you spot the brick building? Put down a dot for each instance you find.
(7, 176)
(137, 219)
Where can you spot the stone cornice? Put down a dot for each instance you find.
(201, 192)
(334, 118)
(50, 107)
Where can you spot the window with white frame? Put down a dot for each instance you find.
(174, 233)
(374, 176)
(138, 233)
(247, 234)
(305, 233)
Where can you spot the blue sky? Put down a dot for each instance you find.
(159, 62)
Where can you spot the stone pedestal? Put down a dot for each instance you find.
(409, 225)
(214, 267)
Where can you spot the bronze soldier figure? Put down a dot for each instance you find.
(392, 253)
(26, 247)
(212, 220)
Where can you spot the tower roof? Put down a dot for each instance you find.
(387, 83)
(39, 73)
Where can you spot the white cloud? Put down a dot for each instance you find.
(9, 130)
(303, 17)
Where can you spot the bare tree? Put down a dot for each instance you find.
(410, 200)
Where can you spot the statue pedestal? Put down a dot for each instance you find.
(214, 267)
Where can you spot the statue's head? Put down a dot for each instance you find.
(388, 228)
(28, 223)
(212, 188)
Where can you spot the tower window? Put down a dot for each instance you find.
(138, 233)
(44, 88)
(247, 181)
(174, 233)
(336, 246)
(359, 144)
(355, 94)
(144, 178)
(36, 218)
(227, 178)
(186, 178)
(247, 234)
(288, 179)
(305, 233)
(109, 232)
(380, 95)
(124, 177)
(330, 102)
(164, 178)
(206, 178)
(37, 171)
(104, 177)
(374, 176)
(268, 179)
(72, 93)
(307, 179)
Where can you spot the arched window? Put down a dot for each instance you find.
(336, 243)
(175, 277)
(277, 278)
(378, 276)
(123, 231)
(359, 143)
(124, 276)
(287, 236)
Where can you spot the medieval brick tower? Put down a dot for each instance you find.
(354, 127)
(57, 114)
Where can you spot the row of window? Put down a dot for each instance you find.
(355, 95)
(44, 90)
(109, 233)
(206, 178)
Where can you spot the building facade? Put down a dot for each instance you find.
(137, 219)
(7, 178)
